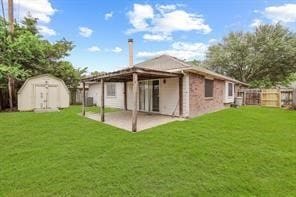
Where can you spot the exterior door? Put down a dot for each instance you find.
(40, 97)
(155, 96)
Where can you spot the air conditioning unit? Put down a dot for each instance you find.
(89, 101)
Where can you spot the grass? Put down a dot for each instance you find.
(250, 151)
(96, 109)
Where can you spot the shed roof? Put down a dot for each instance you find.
(39, 76)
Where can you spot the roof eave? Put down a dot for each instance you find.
(129, 71)
(216, 76)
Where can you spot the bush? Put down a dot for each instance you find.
(292, 107)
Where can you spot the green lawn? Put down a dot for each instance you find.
(246, 151)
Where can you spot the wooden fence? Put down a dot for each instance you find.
(250, 96)
(271, 97)
(268, 97)
(287, 97)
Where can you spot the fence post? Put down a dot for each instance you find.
(261, 93)
(294, 96)
(244, 97)
(280, 98)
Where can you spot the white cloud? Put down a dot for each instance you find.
(181, 50)
(256, 23)
(94, 49)
(285, 13)
(46, 31)
(41, 9)
(117, 50)
(165, 8)
(108, 15)
(156, 37)
(85, 31)
(160, 23)
(139, 15)
(179, 20)
(213, 41)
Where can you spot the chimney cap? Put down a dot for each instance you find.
(130, 40)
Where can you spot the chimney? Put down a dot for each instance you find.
(131, 52)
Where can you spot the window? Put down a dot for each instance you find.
(111, 89)
(209, 88)
(230, 89)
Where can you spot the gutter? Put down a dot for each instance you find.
(213, 74)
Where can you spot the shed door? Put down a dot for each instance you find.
(53, 97)
(40, 97)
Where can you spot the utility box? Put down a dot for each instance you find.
(89, 101)
(238, 101)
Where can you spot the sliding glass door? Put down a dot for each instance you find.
(155, 96)
(142, 95)
(149, 96)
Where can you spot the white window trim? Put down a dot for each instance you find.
(228, 89)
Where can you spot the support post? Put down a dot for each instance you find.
(180, 96)
(125, 96)
(135, 101)
(83, 98)
(280, 97)
(10, 16)
(244, 97)
(11, 30)
(294, 97)
(102, 111)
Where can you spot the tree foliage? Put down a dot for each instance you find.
(25, 53)
(263, 58)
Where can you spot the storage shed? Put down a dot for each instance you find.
(43, 92)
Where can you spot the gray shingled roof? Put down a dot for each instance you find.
(169, 63)
(164, 63)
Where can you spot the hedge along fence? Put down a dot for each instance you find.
(268, 97)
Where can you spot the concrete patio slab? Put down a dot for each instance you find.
(123, 120)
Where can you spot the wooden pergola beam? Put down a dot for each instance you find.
(135, 101)
(294, 96)
(102, 111)
(127, 75)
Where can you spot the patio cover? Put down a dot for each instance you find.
(134, 74)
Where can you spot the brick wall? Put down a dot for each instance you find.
(198, 103)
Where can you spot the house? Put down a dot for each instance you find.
(43, 92)
(163, 85)
(78, 94)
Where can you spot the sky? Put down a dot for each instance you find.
(184, 29)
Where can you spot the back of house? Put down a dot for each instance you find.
(201, 90)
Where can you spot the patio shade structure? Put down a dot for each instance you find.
(134, 74)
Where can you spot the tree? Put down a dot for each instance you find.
(195, 62)
(11, 72)
(93, 73)
(262, 58)
(28, 54)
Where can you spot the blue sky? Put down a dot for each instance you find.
(100, 29)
